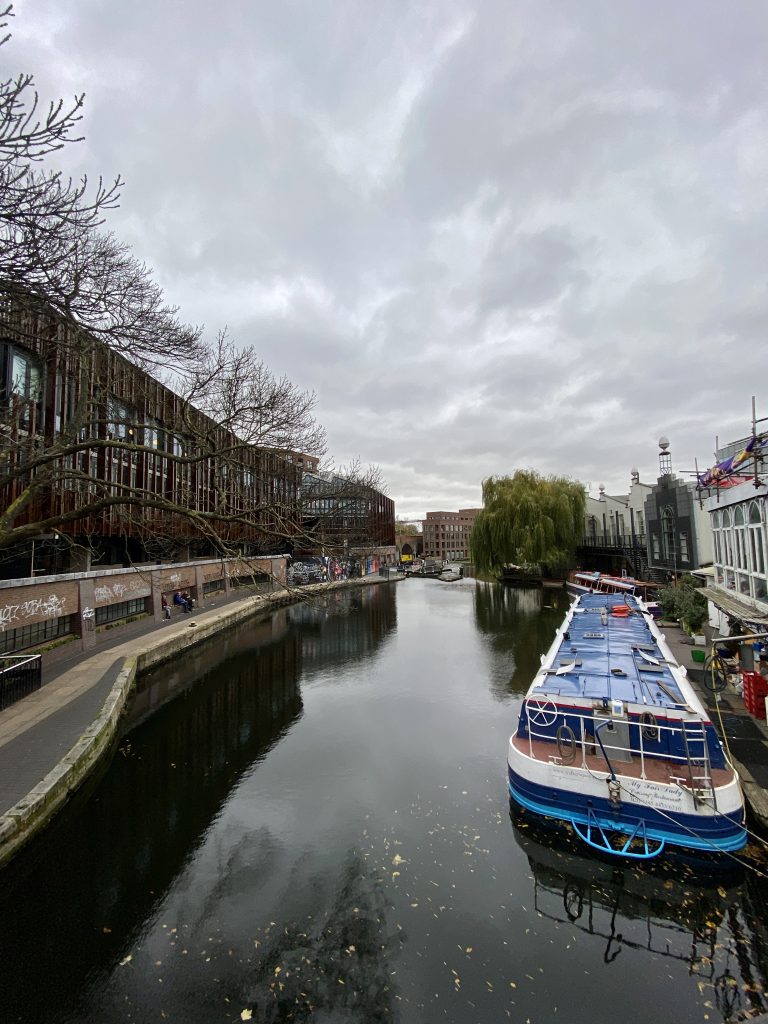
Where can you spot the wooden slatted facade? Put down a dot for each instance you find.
(61, 389)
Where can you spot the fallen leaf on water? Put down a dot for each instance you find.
(126, 960)
(246, 1014)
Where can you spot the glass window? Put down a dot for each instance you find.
(120, 419)
(112, 612)
(23, 384)
(25, 377)
(14, 640)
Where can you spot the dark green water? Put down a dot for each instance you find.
(312, 824)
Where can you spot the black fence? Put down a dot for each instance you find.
(20, 675)
(618, 541)
(613, 553)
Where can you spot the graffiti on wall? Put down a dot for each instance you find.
(108, 593)
(51, 607)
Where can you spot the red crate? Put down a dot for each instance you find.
(755, 692)
(755, 684)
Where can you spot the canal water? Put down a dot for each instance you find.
(309, 821)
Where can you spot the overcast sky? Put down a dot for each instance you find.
(490, 234)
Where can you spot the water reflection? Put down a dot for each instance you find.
(339, 963)
(79, 896)
(519, 624)
(334, 630)
(703, 914)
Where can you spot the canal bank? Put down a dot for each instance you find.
(746, 737)
(52, 740)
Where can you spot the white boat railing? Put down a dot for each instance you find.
(542, 715)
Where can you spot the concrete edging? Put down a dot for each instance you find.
(26, 818)
(31, 815)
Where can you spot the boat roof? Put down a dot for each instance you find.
(605, 656)
(596, 577)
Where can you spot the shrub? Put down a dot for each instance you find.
(685, 602)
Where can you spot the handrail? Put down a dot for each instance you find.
(599, 721)
(21, 659)
(20, 675)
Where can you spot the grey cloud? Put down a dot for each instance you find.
(489, 235)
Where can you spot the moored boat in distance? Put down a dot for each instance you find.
(613, 739)
(599, 583)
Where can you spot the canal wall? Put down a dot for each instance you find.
(96, 741)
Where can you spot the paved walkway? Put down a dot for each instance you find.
(36, 732)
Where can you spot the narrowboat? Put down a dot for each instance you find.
(613, 739)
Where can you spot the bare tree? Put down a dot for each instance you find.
(236, 389)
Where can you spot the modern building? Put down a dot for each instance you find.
(446, 535)
(678, 528)
(111, 462)
(342, 516)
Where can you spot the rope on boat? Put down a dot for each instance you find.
(749, 832)
(741, 863)
(754, 835)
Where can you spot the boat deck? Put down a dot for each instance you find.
(657, 769)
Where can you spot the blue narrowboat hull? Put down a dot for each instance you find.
(723, 833)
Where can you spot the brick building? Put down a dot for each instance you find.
(447, 534)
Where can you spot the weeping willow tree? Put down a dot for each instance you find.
(528, 520)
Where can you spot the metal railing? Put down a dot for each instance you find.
(20, 675)
(620, 541)
(590, 738)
